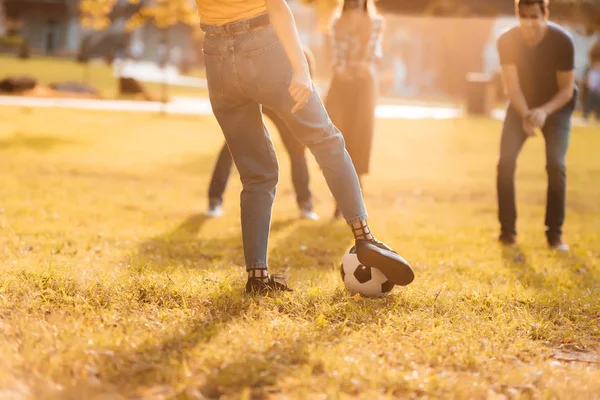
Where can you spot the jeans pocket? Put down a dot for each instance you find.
(270, 67)
(213, 65)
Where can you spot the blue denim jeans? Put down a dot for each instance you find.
(299, 166)
(556, 134)
(247, 67)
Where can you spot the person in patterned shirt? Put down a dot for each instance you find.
(356, 35)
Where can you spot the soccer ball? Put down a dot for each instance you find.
(358, 278)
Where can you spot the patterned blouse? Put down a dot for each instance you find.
(348, 48)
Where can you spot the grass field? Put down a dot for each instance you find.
(101, 76)
(113, 285)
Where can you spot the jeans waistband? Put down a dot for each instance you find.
(237, 27)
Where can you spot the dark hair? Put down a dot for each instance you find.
(542, 3)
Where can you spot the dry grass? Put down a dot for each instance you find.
(113, 285)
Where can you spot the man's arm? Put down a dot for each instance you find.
(510, 74)
(565, 77)
(566, 84)
(510, 77)
(285, 27)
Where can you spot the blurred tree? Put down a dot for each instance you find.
(165, 14)
(94, 15)
(585, 11)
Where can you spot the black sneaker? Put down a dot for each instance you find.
(275, 283)
(375, 254)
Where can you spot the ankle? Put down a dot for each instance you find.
(261, 274)
(362, 231)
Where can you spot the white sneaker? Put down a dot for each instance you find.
(561, 247)
(215, 209)
(558, 245)
(309, 214)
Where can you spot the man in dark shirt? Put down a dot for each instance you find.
(537, 59)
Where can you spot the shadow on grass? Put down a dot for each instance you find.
(33, 142)
(182, 247)
(312, 245)
(516, 260)
(164, 358)
(574, 267)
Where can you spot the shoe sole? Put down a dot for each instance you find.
(392, 265)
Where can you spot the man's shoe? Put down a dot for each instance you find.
(375, 254)
(508, 239)
(215, 209)
(274, 283)
(308, 214)
(559, 245)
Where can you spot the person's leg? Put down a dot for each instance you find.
(255, 158)
(252, 151)
(218, 181)
(556, 132)
(269, 76)
(597, 105)
(511, 142)
(299, 165)
(588, 104)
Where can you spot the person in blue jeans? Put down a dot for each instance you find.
(299, 167)
(538, 61)
(255, 59)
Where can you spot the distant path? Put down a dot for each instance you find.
(201, 106)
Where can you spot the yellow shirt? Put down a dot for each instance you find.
(220, 12)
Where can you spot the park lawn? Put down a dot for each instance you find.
(101, 76)
(114, 285)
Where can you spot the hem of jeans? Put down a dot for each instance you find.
(358, 218)
(256, 266)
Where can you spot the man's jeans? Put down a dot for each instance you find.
(592, 105)
(244, 69)
(556, 133)
(299, 166)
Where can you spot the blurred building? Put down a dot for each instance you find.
(50, 26)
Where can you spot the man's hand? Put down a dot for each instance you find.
(528, 127)
(301, 88)
(537, 117)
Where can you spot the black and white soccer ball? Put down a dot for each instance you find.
(358, 278)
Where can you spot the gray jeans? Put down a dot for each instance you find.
(246, 67)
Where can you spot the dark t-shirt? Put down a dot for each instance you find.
(538, 65)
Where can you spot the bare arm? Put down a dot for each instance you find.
(566, 83)
(285, 27)
(510, 77)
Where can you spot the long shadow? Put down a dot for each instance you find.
(572, 265)
(128, 371)
(151, 364)
(312, 245)
(579, 270)
(183, 247)
(33, 142)
(515, 259)
(258, 370)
